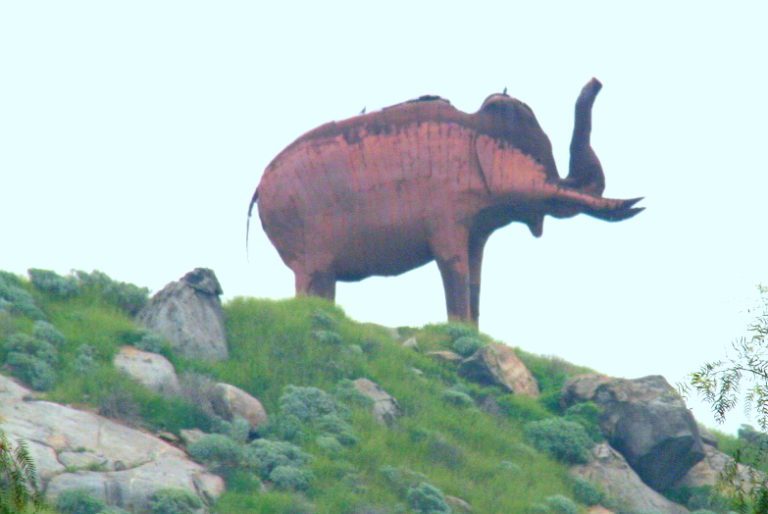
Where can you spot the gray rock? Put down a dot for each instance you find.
(385, 408)
(609, 470)
(150, 369)
(457, 504)
(131, 464)
(231, 401)
(191, 435)
(707, 472)
(646, 421)
(411, 343)
(497, 364)
(188, 313)
(446, 356)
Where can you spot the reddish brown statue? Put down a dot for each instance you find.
(386, 192)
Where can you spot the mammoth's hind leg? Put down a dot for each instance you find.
(452, 258)
(316, 283)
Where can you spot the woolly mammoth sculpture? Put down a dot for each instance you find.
(385, 192)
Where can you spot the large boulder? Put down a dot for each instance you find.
(188, 313)
(707, 472)
(609, 470)
(150, 369)
(231, 402)
(497, 364)
(644, 419)
(75, 449)
(385, 407)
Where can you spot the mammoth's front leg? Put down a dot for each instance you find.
(476, 246)
(450, 248)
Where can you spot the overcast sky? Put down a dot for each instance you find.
(132, 136)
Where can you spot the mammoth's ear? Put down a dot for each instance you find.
(505, 169)
(486, 150)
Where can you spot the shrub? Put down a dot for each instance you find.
(290, 477)
(586, 492)
(199, 390)
(347, 393)
(442, 451)
(118, 403)
(427, 499)
(113, 510)
(329, 444)
(564, 440)
(173, 501)
(322, 320)
(586, 414)
(79, 501)
(128, 297)
(26, 344)
(53, 283)
(522, 408)
(466, 345)
(218, 452)
(308, 403)
(457, 398)
(31, 370)
(151, 342)
(84, 359)
(270, 455)
(17, 299)
(456, 330)
(557, 504)
(326, 337)
(334, 425)
(46, 332)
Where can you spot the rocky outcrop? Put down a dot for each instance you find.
(77, 449)
(188, 313)
(708, 471)
(231, 402)
(445, 356)
(497, 364)
(646, 421)
(609, 470)
(150, 369)
(385, 408)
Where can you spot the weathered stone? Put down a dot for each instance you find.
(411, 343)
(188, 313)
(609, 470)
(646, 420)
(385, 408)
(457, 504)
(150, 369)
(598, 509)
(446, 356)
(497, 364)
(231, 402)
(129, 464)
(707, 471)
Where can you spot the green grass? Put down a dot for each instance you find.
(463, 450)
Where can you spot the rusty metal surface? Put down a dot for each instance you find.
(388, 191)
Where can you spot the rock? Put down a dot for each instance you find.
(446, 356)
(707, 437)
(707, 471)
(646, 421)
(598, 509)
(188, 313)
(457, 504)
(411, 343)
(75, 449)
(150, 369)
(231, 401)
(385, 407)
(191, 435)
(168, 437)
(497, 364)
(609, 470)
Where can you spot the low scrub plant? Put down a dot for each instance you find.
(151, 342)
(32, 360)
(566, 441)
(220, 453)
(16, 299)
(174, 501)
(18, 477)
(79, 501)
(466, 345)
(586, 492)
(427, 499)
(127, 297)
(587, 415)
(291, 477)
(557, 504)
(46, 332)
(54, 284)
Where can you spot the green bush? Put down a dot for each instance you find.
(326, 337)
(456, 330)
(128, 297)
(441, 451)
(557, 504)
(46, 332)
(586, 414)
(427, 499)
(54, 284)
(32, 360)
(173, 501)
(522, 408)
(346, 392)
(564, 440)
(457, 398)
(151, 342)
(270, 455)
(79, 501)
(290, 477)
(586, 492)
(466, 345)
(113, 510)
(84, 359)
(117, 403)
(218, 452)
(322, 320)
(17, 299)
(329, 445)
(308, 403)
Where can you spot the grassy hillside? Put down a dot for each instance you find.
(454, 438)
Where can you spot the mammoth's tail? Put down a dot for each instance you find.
(254, 199)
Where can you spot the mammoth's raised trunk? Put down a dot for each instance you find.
(585, 173)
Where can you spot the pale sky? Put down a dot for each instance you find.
(132, 136)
